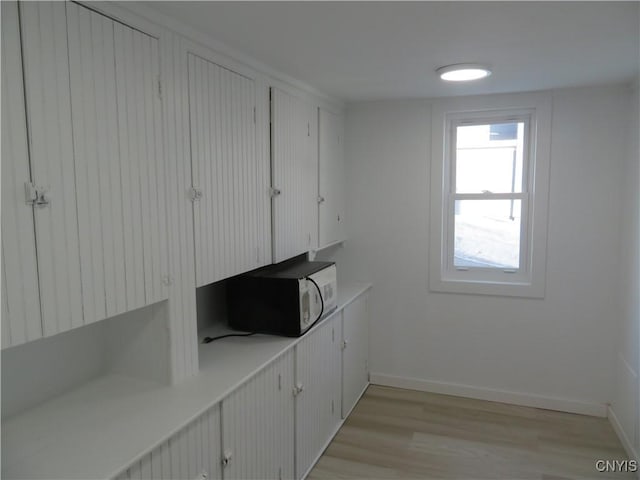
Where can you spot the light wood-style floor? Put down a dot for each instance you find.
(394, 433)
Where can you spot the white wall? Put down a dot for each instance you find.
(561, 348)
(625, 403)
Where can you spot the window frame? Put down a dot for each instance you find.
(447, 114)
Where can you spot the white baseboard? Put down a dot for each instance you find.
(622, 435)
(502, 396)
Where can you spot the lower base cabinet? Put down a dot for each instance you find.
(193, 453)
(276, 424)
(317, 388)
(257, 425)
(355, 352)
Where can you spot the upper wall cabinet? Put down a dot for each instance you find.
(96, 164)
(331, 178)
(294, 174)
(225, 171)
(21, 320)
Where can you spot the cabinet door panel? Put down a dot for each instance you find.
(141, 156)
(93, 112)
(21, 320)
(355, 356)
(224, 169)
(116, 112)
(92, 80)
(331, 181)
(192, 453)
(46, 67)
(257, 424)
(294, 167)
(130, 146)
(318, 405)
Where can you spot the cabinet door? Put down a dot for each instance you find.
(355, 354)
(46, 72)
(257, 425)
(93, 111)
(318, 376)
(224, 171)
(331, 178)
(192, 453)
(21, 320)
(294, 170)
(115, 109)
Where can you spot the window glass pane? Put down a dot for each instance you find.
(487, 233)
(503, 131)
(489, 158)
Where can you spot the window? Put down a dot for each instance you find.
(490, 184)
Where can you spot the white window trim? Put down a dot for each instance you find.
(529, 280)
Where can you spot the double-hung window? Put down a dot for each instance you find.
(490, 186)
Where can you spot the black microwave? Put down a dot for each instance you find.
(283, 299)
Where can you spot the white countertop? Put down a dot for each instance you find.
(103, 426)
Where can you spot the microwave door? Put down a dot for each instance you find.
(315, 305)
(326, 281)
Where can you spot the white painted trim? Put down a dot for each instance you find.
(337, 243)
(125, 16)
(440, 276)
(624, 439)
(491, 394)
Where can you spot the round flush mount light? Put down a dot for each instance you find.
(463, 72)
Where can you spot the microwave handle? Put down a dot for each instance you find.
(321, 299)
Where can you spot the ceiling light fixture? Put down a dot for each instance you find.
(463, 72)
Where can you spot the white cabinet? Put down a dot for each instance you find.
(318, 389)
(225, 173)
(294, 173)
(95, 164)
(331, 194)
(355, 354)
(46, 77)
(191, 454)
(119, 163)
(21, 321)
(257, 425)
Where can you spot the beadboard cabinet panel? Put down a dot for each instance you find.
(47, 93)
(21, 321)
(94, 113)
(141, 154)
(294, 171)
(331, 194)
(258, 424)
(355, 354)
(94, 120)
(191, 454)
(318, 373)
(225, 171)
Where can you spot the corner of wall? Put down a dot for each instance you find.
(624, 412)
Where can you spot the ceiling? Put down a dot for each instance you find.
(382, 50)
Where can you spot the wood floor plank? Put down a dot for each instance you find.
(403, 434)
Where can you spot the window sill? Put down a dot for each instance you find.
(521, 289)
